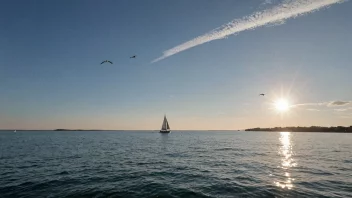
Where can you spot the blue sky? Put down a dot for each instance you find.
(51, 77)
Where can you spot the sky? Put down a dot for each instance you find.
(203, 64)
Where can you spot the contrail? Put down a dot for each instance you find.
(277, 14)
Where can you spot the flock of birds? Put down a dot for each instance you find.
(107, 61)
(135, 56)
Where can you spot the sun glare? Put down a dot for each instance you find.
(282, 105)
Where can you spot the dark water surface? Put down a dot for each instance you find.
(180, 164)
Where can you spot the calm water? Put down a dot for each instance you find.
(180, 164)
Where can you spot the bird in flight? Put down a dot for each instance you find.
(134, 56)
(106, 61)
(262, 94)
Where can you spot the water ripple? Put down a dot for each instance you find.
(183, 164)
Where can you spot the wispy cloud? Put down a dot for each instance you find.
(347, 117)
(328, 104)
(310, 104)
(267, 2)
(345, 111)
(339, 103)
(288, 9)
(312, 109)
(341, 110)
(325, 106)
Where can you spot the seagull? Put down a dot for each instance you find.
(106, 61)
(262, 94)
(134, 56)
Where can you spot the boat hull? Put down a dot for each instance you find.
(165, 131)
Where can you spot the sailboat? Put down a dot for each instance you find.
(165, 128)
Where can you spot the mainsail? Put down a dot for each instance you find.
(165, 126)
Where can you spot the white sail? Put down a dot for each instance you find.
(165, 126)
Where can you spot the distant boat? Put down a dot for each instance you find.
(165, 128)
(14, 131)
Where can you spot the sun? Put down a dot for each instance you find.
(282, 105)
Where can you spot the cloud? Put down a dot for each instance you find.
(324, 106)
(347, 117)
(339, 103)
(312, 109)
(267, 2)
(344, 111)
(341, 110)
(310, 104)
(288, 9)
(328, 104)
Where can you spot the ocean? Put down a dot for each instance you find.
(180, 164)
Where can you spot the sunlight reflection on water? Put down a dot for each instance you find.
(286, 153)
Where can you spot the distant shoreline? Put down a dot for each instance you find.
(313, 129)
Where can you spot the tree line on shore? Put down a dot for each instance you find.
(337, 129)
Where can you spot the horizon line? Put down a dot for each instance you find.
(171, 130)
